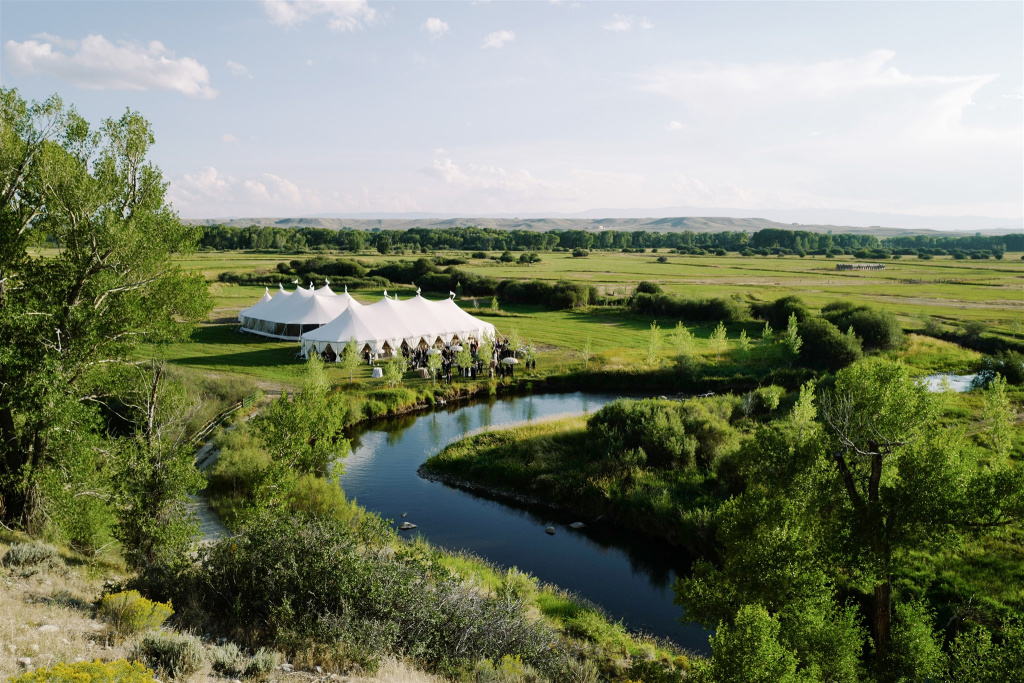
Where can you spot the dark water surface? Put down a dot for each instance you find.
(628, 575)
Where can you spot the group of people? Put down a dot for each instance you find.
(495, 366)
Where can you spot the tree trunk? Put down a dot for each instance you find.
(883, 617)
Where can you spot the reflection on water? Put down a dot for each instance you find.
(628, 574)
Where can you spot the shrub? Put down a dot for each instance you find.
(128, 612)
(1009, 364)
(118, 671)
(479, 254)
(770, 396)
(177, 656)
(777, 312)
(580, 253)
(31, 555)
(227, 659)
(877, 329)
(262, 663)
(646, 287)
(824, 346)
(677, 308)
(317, 582)
(373, 408)
(653, 427)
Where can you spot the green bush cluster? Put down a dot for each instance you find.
(672, 307)
(776, 313)
(178, 656)
(663, 433)
(298, 582)
(878, 330)
(118, 671)
(825, 346)
(129, 613)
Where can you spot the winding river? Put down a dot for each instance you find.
(629, 575)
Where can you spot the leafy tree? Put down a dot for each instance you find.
(302, 434)
(154, 473)
(837, 508)
(351, 358)
(749, 651)
(464, 358)
(653, 343)
(585, 353)
(743, 344)
(718, 340)
(515, 340)
(999, 416)
(70, 318)
(394, 370)
(792, 339)
(682, 340)
(434, 364)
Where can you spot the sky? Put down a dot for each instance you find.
(287, 108)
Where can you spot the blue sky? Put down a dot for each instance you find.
(296, 108)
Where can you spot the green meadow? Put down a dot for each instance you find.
(949, 291)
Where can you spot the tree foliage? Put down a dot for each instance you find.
(72, 315)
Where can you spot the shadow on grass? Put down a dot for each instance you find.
(252, 351)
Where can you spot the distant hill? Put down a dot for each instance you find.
(677, 224)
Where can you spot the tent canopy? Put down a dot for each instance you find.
(288, 314)
(389, 323)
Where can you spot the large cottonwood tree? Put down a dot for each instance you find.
(86, 239)
(832, 514)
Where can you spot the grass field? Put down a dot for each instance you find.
(954, 291)
(951, 291)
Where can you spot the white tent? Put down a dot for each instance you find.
(288, 314)
(383, 327)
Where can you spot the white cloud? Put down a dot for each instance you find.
(208, 193)
(97, 64)
(626, 22)
(237, 69)
(498, 39)
(229, 139)
(341, 15)
(673, 125)
(495, 185)
(435, 27)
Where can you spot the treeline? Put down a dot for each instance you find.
(768, 241)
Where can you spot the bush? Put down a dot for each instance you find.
(479, 254)
(653, 427)
(129, 613)
(677, 308)
(1009, 364)
(317, 582)
(118, 671)
(230, 661)
(777, 312)
(646, 287)
(878, 330)
(174, 655)
(262, 663)
(31, 555)
(824, 346)
(770, 396)
(580, 253)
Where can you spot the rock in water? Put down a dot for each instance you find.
(406, 526)
(550, 530)
(404, 514)
(577, 525)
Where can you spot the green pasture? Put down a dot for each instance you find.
(987, 291)
(953, 291)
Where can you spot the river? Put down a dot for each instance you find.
(628, 575)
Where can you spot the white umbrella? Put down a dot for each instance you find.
(510, 361)
(456, 349)
(434, 352)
